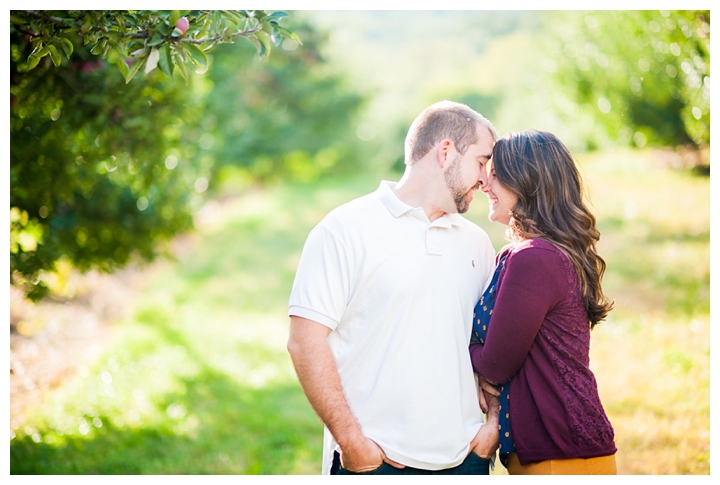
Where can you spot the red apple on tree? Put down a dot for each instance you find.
(182, 25)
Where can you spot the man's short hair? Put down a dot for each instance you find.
(446, 119)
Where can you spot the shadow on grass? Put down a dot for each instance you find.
(214, 425)
(239, 431)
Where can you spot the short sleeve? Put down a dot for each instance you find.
(321, 287)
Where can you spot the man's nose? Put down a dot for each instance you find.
(482, 180)
(485, 186)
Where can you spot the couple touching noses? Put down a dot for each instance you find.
(394, 295)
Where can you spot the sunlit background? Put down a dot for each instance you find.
(155, 226)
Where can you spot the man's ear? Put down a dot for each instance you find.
(444, 152)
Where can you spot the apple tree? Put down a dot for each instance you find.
(104, 164)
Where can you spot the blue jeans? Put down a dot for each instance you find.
(473, 465)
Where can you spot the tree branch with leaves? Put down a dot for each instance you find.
(146, 39)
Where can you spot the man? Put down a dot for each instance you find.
(382, 305)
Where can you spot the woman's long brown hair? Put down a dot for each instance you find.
(538, 168)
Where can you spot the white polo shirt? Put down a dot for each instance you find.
(398, 291)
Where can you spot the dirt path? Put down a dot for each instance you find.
(53, 339)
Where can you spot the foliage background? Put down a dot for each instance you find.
(194, 377)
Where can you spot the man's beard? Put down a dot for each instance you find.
(453, 179)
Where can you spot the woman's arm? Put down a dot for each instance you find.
(533, 282)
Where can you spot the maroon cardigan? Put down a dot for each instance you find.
(539, 340)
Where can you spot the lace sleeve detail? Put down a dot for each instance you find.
(569, 336)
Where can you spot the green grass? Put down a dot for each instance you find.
(198, 380)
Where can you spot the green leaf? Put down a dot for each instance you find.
(235, 20)
(179, 48)
(216, 19)
(132, 70)
(85, 28)
(259, 45)
(288, 33)
(121, 64)
(180, 63)
(205, 29)
(164, 29)
(54, 55)
(67, 46)
(96, 49)
(155, 40)
(239, 14)
(174, 16)
(38, 50)
(266, 42)
(33, 61)
(276, 15)
(114, 37)
(165, 62)
(17, 20)
(99, 47)
(197, 56)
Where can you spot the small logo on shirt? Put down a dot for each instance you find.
(473, 263)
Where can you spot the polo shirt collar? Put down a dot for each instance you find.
(386, 195)
(397, 207)
(453, 219)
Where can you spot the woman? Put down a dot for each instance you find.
(532, 326)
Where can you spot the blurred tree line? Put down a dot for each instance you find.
(638, 78)
(291, 116)
(115, 140)
(104, 169)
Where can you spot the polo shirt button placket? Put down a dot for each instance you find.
(432, 240)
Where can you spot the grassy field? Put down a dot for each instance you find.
(197, 380)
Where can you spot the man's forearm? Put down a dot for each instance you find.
(320, 381)
(319, 378)
(493, 413)
(485, 442)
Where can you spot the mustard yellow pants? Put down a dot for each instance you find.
(602, 465)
